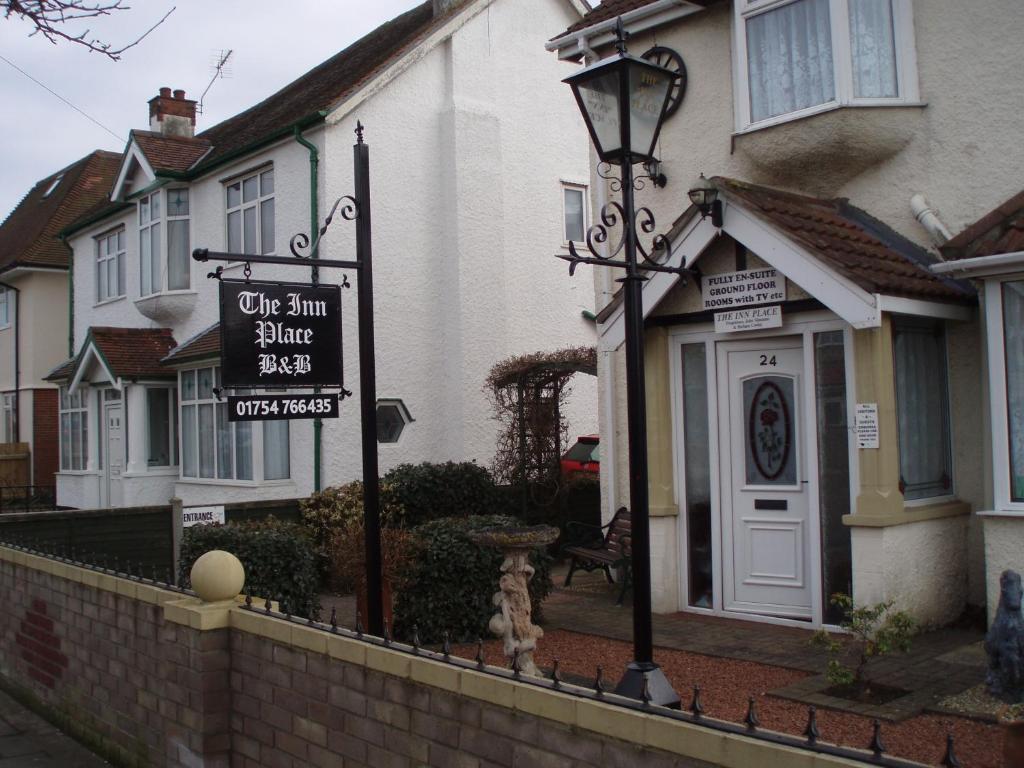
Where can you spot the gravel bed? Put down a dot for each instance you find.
(726, 684)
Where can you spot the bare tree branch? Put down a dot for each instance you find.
(49, 16)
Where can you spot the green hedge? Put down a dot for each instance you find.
(451, 583)
(424, 492)
(279, 559)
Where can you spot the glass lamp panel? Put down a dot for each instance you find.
(599, 99)
(648, 92)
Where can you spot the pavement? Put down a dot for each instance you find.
(28, 741)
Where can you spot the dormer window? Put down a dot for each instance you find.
(164, 241)
(800, 57)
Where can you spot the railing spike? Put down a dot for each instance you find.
(877, 747)
(480, 663)
(310, 614)
(645, 690)
(415, 638)
(286, 608)
(266, 605)
(696, 707)
(359, 624)
(334, 618)
(811, 731)
(599, 681)
(248, 596)
(387, 632)
(556, 676)
(516, 667)
(950, 760)
(446, 644)
(751, 720)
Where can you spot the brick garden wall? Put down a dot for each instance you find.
(152, 678)
(45, 448)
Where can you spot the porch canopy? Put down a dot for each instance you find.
(117, 355)
(841, 256)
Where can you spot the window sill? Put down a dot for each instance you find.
(917, 513)
(113, 300)
(154, 472)
(1004, 513)
(168, 306)
(235, 483)
(804, 114)
(79, 473)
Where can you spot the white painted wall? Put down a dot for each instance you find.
(468, 148)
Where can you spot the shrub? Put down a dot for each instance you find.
(279, 559)
(332, 509)
(424, 492)
(348, 555)
(873, 630)
(450, 585)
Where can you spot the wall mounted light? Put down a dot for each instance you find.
(704, 195)
(654, 173)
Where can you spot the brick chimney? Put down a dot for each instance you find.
(172, 115)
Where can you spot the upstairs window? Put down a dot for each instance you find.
(250, 213)
(5, 307)
(110, 256)
(798, 57)
(156, 241)
(574, 202)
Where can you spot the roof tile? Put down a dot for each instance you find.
(999, 231)
(204, 344)
(175, 154)
(134, 353)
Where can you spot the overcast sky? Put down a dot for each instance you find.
(273, 42)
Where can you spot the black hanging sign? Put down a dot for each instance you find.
(280, 334)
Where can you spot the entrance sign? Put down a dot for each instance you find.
(280, 334)
(737, 289)
(202, 516)
(748, 319)
(278, 407)
(867, 425)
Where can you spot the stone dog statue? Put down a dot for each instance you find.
(1004, 642)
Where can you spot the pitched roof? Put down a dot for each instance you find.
(610, 9)
(323, 86)
(204, 344)
(175, 154)
(62, 372)
(28, 237)
(999, 231)
(850, 241)
(133, 353)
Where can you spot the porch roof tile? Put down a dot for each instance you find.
(999, 231)
(133, 353)
(203, 345)
(170, 154)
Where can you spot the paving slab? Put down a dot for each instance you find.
(29, 741)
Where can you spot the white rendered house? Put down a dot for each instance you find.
(478, 169)
(837, 441)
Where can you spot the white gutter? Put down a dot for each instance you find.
(651, 15)
(982, 265)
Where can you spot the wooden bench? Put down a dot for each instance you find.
(605, 547)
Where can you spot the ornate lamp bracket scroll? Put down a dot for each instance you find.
(349, 210)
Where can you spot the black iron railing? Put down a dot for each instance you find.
(27, 498)
(694, 713)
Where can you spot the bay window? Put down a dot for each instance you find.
(74, 429)
(214, 448)
(797, 57)
(164, 241)
(110, 257)
(162, 427)
(1013, 343)
(922, 408)
(250, 213)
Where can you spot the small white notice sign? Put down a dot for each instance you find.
(202, 516)
(748, 319)
(867, 425)
(747, 288)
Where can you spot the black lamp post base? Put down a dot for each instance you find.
(659, 690)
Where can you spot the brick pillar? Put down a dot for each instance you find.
(44, 435)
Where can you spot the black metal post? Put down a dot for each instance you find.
(642, 671)
(368, 390)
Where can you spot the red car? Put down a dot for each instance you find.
(584, 456)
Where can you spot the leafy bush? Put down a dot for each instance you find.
(873, 630)
(449, 586)
(424, 492)
(332, 509)
(279, 559)
(399, 548)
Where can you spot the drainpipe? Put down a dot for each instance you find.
(926, 217)
(314, 223)
(17, 361)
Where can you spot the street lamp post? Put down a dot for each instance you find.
(623, 100)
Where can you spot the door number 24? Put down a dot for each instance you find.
(766, 360)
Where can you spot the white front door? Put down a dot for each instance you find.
(115, 454)
(766, 541)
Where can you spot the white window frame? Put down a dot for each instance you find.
(163, 241)
(174, 441)
(5, 307)
(999, 405)
(68, 404)
(582, 189)
(256, 439)
(7, 425)
(842, 67)
(119, 256)
(244, 205)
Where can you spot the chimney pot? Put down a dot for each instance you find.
(172, 115)
(165, 92)
(179, 94)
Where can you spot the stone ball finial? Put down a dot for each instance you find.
(217, 576)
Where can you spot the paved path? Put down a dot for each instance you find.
(28, 741)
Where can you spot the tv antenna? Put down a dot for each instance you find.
(220, 71)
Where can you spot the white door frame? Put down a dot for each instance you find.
(804, 325)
